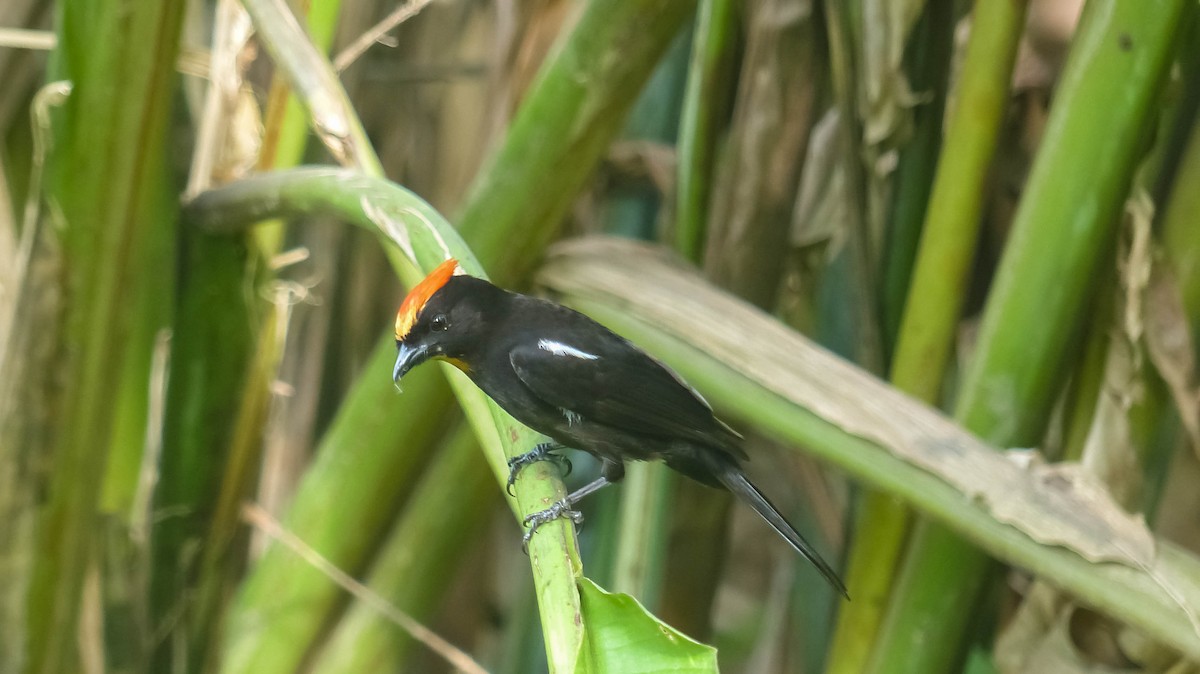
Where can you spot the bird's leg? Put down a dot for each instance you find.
(561, 509)
(543, 451)
(612, 471)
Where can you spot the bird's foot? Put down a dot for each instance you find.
(561, 509)
(544, 451)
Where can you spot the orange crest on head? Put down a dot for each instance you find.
(420, 294)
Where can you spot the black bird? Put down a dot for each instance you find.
(570, 378)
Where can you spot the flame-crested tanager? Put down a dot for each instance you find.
(570, 378)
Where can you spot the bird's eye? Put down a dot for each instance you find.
(440, 323)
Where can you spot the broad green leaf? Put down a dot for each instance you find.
(622, 636)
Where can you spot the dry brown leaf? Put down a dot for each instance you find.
(758, 172)
(1109, 452)
(1030, 625)
(888, 98)
(230, 129)
(1049, 26)
(1134, 266)
(1050, 635)
(820, 214)
(1176, 519)
(644, 161)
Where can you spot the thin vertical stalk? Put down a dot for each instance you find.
(951, 231)
(704, 103)
(643, 534)
(932, 48)
(1181, 229)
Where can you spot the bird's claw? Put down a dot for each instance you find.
(561, 509)
(545, 451)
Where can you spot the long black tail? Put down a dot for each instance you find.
(736, 482)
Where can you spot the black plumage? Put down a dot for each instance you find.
(570, 378)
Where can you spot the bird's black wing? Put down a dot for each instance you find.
(605, 379)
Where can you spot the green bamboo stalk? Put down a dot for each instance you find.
(932, 47)
(936, 296)
(222, 557)
(572, 112)
(224, 264)
(107, 180)
(212, 343)
(751, 368)
(704, 105)
(643, 532)
(1180, 110)
(284, 602)
(951, 230)
(1065, 222)
(419, 560)
(1087, 381)
(1180, 233)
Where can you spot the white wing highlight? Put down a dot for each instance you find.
(560, 349)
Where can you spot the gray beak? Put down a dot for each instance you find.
(407, 358)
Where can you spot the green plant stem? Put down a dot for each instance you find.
(705, 100)
(881, 527)
(952, 223)
(111, 201)
(434, 535)
(750, 367)
(645, 519)
(284, 601)
(572, 112)
(1087, 380)
(1065, 223)
(222, 557)
(932, 46)
(935, 298)
(1181, 230)
(209, 362)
